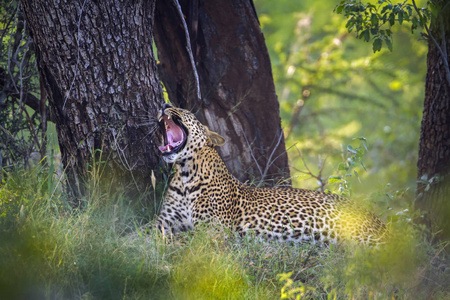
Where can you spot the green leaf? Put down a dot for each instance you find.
(334, 179)
(365, 146)
(366, 35)
(400, 17)
(385, 8)
(374, 19)
(389, 44)
(362, 165)
(350, 23)
(350, 149)
(392, 19)
(409, 9)
(376, 46)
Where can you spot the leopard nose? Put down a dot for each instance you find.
(165, 106)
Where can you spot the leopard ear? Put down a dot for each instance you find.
(214, 139)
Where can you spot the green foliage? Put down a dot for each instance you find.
(204, 271)
(347, 168)
(428, 182)
(374, 22)
(378, 272)
(95, 253)
(50, 251)
(291, 290)
(331, 88)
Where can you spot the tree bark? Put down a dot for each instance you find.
(238, 98)
(96, 62)
(434, 147)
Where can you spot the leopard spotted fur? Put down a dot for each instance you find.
(203, 189)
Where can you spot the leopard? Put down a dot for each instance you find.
(202, 190)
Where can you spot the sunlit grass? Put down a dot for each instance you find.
(104, 251)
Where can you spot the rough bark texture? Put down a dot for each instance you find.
(434, 147)
(238, 94)
(96, 62)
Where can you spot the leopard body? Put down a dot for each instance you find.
(202, 188)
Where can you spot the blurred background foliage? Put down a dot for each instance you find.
(332, 88)
(333, 91)
(21, 137)
(352, 123)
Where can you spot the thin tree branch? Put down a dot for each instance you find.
(251, 153)
(189, 49)
(16, 25)
(269, 161)
(43, 112)
(318, 177)
(27, 98)
(349, 95)
(31, 128)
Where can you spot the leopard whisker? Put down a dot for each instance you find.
(153, 129)
(146, 124)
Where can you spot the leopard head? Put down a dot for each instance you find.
(183, 135)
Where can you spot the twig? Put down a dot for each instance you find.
(123, 159)
(318, 177)
(189, 49)
(269, 162)
(33, 134)
(22, 63)
(6, 131)
(10, 46)
(43, 112)
(251, 153)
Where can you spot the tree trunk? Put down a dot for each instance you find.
(96, 62)
(434, 148)
(238, 98)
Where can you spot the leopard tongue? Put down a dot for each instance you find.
(170, 142)
(174, 136)
(165, 148)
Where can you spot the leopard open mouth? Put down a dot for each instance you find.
(174, 135)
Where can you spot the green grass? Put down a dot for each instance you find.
(106, 251)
